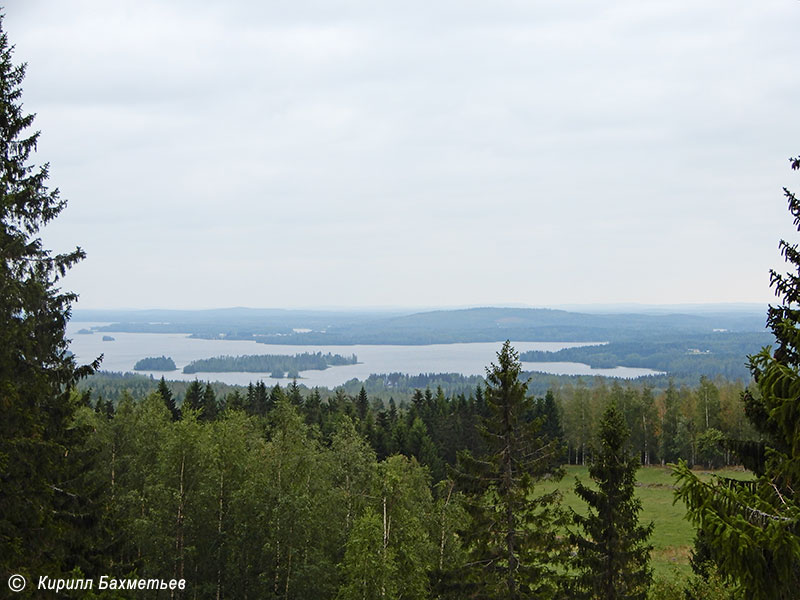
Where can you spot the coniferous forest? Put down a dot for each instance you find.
(200, 491)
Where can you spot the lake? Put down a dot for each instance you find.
(465, 358)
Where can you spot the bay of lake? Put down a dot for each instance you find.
(466, 358)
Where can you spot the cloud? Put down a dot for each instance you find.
(525, 143)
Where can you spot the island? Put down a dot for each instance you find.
(157, 363)
(277, 364)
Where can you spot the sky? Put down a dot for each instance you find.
(357, 153)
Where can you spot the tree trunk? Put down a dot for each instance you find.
(644, 435)
(441, 541)
(219, 534)
(386, 526)
(508, 484)
(179, 526)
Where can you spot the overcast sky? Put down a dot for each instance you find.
(450, 153)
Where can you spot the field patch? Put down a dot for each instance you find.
(672, 534)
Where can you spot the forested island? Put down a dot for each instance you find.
(277, 364)
(155, 363)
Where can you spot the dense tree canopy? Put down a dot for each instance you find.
(36, 371)
(155, 363)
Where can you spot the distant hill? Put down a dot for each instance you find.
(489, 324)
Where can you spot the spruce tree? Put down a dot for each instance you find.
(169, 399)
(612, 554)
(312, 407)
(546, 411)
(193, 399)
(276, 395)
(260, 403)
(235, 401)
(209, 404)
(362, 404)
(294, 394)
(36, 370)
(752, 529)
(513, 548)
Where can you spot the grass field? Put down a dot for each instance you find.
(672, 533)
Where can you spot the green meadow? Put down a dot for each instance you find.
(672, 533)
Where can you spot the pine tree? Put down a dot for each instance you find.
(511, 539)
(752, 528)
(612, 557)
(36, 371)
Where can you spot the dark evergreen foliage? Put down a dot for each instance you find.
(155, 363)
(752, 528)
(686, 355)
(362, 404)
(513, 550)
(546, 411)
(193, 400)
(612, 552)
(169, 399)
(41, 503)
(209, 404)
(267, 363)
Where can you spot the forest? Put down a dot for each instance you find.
(679, 356)
(285, 484)
(285, 492)
(664, 424)
(155, 363)
(278, 364)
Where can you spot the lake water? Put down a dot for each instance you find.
(467, 359)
